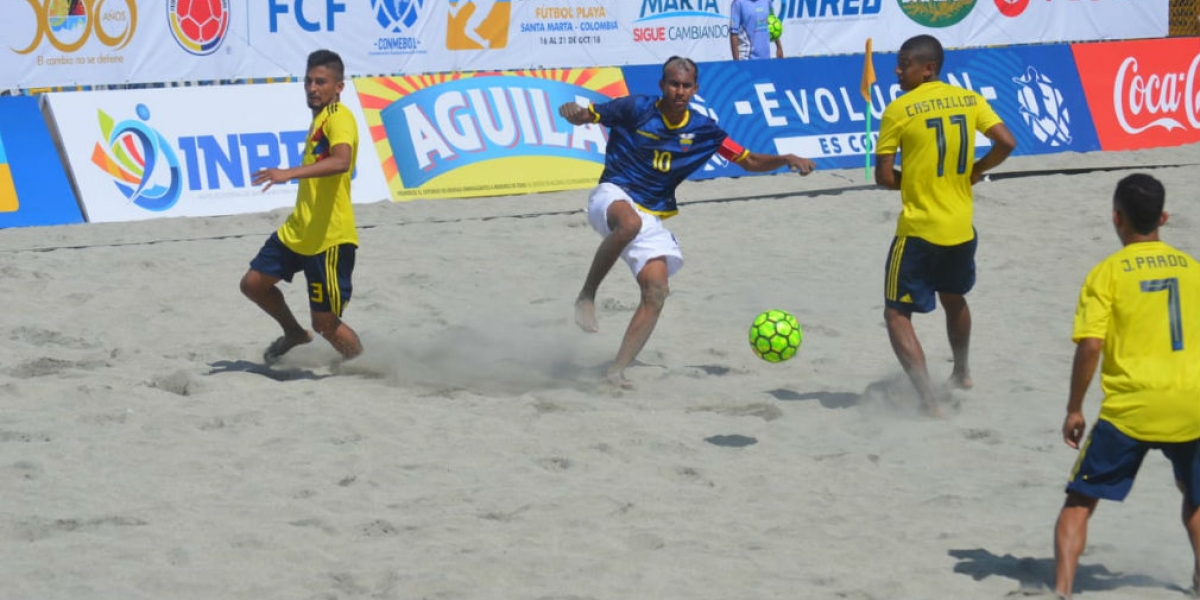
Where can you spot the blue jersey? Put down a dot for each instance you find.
(648, 157)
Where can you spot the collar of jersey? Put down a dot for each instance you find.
(687, 114)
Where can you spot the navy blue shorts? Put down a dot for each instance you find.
(917, 270)
(325, 293)
(1109, 462)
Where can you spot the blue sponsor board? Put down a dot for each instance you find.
(813, 107)
(34, 189)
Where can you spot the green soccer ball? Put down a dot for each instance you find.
(775, 336)
(774, 27)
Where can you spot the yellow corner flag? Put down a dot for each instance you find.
(868, 80)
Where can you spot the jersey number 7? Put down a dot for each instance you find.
(1171, 286)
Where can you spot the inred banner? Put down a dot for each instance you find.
(1142, 94)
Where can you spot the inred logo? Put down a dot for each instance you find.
(1142, 94)
(1011, 8)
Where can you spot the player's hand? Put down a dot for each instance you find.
(575, 114)
(800, 164)
(1073, 428)
(269, 177)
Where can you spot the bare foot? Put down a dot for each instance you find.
(962, 381)
(617, 379)
(585, 315)
(283, 344)
(931, 409)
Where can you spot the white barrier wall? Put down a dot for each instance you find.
(76, 42)
(143, 154)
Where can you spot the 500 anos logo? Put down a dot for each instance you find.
(69, 24)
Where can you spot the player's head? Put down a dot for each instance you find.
(323, 79)
(919, 61)
(1138, 204)
(680, 81)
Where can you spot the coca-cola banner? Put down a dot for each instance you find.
(1142, 94)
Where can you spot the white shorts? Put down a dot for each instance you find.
(653, 241)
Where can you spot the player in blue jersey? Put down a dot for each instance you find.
(654, 143)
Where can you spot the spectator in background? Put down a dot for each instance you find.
(749, 36)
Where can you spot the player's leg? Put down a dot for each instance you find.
(907, 290)
(1070, 538)
(652, 280)
(1106, 467)
(330, 287)
(955, 276)
(612, 215)
(274, 262)
(1185, 458)
(958, 329)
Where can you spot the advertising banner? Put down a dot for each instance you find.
(34, 189)
(1143, 94)
(813, 107)
(825, 27)
(486, 134)
(143, 154)
(54, 43)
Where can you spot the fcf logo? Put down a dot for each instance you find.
(68, 24)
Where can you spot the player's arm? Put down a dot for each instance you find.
(1087, 356)
(778, 47)
(336, 163)
(578, 115)
(759, 163)
(1003, 144)
(886, 174)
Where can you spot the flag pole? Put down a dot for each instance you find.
(868, 80)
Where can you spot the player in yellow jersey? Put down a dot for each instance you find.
(1140, 309)
(319, 237)
(933, 128)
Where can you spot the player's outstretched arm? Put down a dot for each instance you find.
(576, 114)
(769, 162)
(1003, 143)
(336, 163)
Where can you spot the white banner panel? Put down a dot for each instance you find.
(50, 43)
(824, 27)
(187, 152)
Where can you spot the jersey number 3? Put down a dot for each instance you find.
(960, 121)
(1169, 285)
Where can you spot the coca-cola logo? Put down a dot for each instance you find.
(1143, 102)
(1011, 8)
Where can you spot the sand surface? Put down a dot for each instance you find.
(472, 452)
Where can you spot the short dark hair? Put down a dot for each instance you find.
(1140, 198)
(925, 48)
(679, 62)
(328, 59)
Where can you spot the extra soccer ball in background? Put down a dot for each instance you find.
(774, 27)
(775, 336)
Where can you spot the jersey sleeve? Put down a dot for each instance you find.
(340, 127)
(1095, 305)
(889, 133)
(614, 112)
(987, 116)
(732, 151)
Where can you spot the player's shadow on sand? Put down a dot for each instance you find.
(827, 399)
(245, 366)
(1037, 574)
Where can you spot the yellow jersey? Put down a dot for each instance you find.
(323, 216)
(1144, 302)
(933, 127)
